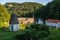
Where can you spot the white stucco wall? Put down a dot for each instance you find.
(57, 25)
(50, 24)
(15, 27)
(40, 21)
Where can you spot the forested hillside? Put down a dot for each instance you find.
(25, 9)
(51, 10)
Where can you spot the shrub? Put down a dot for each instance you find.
(22, 26)
(3, 29)
(24, 35)
(33, 32)
(42, 30)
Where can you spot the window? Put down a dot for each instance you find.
(11, 27)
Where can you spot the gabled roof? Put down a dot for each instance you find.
(53, 21)
(13, 19)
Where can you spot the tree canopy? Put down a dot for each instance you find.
(51, 10)
(4, 16)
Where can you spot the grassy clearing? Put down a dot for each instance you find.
(54, 34)
(6, 35)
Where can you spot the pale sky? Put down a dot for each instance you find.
(44, 2)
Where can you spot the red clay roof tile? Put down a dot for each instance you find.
(53, 21)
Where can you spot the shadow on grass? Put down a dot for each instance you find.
(3, 29)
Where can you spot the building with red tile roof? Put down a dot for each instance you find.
(52, 22)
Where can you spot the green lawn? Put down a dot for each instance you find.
(54, 34)
(6, 35)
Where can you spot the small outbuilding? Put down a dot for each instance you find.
(13, 23)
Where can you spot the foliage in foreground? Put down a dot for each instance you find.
(33, 32)
(6, 35)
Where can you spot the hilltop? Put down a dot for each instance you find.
(25, 9)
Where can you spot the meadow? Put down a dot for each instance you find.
(54, 34)
(7, 35)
